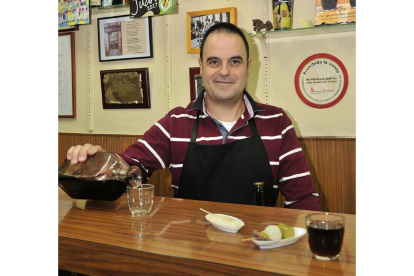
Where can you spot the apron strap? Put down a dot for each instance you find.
(195, 127)
(253, 127)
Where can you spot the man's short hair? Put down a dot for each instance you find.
(224, 27)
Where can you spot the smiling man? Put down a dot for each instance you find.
(222, 143)
(224, 70)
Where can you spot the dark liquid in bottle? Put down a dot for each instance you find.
(259, 198)
(323, 242)
(96, 190)
(353, 3)
(328, 5)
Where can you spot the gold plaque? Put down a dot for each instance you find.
(125, 88)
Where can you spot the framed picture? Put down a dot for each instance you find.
(125, 88)
(335, 12)
(73, 12)
(66, 76)
(196, 85)
(122, 37)
(200, 21)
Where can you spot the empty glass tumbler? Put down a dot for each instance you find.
(140, 199)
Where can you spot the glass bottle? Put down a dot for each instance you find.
(103, 176)
(258, 194)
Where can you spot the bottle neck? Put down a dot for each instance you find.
(259, 195)
(134, 176)
(259, 187)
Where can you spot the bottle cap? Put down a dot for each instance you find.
(258, 183)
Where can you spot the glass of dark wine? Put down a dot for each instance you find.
(325, 235)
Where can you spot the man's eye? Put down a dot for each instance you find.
(235, 62)
(213, 63)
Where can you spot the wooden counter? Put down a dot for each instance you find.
(102, 238)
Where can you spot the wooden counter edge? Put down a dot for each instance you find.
(100, 259)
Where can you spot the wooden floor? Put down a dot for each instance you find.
(332, 163)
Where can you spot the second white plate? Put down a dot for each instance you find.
(299, 232)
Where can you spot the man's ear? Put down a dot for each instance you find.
(249, 64)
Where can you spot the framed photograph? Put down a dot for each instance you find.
(125, 88)
(66, 76)
(123, 37)
(196, 85)
(200, 21)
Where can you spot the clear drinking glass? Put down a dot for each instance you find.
(325, 234)
(140, 199)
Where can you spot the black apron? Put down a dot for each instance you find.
(226, 173)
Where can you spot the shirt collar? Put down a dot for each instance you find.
(251, 105)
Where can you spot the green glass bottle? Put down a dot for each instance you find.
(258, 193)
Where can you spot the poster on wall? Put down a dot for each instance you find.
(144, 8)
(73, 12)
(321, 81)
(332, 12)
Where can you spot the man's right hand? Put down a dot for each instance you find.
(79, 153)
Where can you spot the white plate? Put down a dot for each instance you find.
(299, 232)
(230, 229)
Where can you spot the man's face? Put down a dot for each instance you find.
(224, 68)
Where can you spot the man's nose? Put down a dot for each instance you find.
(225, 69)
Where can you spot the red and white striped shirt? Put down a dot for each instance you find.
(164, 145)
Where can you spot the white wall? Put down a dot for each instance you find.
(338, 120)
(285, 55)
(115, 121)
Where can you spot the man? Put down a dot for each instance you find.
(222, 143)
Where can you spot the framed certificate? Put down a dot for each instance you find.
(122, 37)
(67, 76)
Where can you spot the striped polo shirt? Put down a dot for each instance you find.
(165, 144)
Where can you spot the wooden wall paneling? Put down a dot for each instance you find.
(332, 164)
